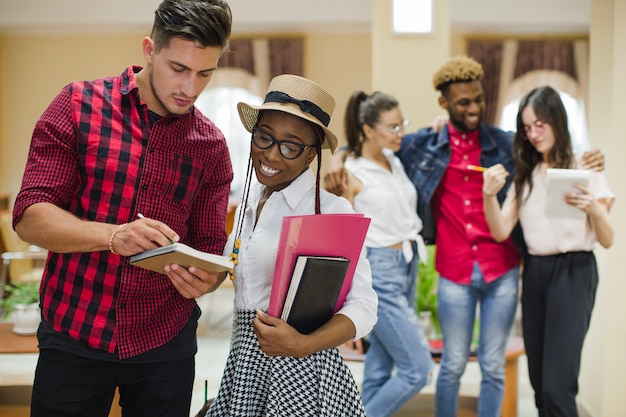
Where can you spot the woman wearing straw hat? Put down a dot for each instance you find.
(272, 369)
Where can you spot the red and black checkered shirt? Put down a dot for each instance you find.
(94, 153)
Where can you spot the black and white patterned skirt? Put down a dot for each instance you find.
(255, 384)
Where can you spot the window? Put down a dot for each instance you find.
(220, 105)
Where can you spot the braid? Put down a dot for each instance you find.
(318, 209)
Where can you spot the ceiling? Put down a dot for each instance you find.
(292, 16)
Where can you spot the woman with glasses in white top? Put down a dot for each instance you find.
(398, 363)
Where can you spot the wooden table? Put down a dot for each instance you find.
(15, 400)
(11, 342)
(514, 349)
(425, 403)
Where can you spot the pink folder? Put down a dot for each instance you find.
(318, 235)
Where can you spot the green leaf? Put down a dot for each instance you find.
(20, 293)
(427, 284)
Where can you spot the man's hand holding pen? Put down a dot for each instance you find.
(163, 229)
(145, 233)
(140, 235)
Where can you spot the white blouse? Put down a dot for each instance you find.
(259, 244)
(546, 236)
(390, 200)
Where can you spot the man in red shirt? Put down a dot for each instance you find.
(117, 166)
(474, 269)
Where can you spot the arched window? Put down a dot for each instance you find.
(571, 95)
(219, 103)
(576, 118)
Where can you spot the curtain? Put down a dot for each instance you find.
(489, 54)
(265, 57)
(244, 73)
(545, 55)
(238, 55)
(514, 63)
(286, 57)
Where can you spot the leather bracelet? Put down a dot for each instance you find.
(117, 229)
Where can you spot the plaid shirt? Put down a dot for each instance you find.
(94, 153)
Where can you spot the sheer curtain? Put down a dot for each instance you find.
(243, 74)
(218, 102)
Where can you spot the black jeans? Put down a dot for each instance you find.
(70, 385)
(558, 294)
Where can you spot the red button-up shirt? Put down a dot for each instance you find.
(463, 235)
(94, 153)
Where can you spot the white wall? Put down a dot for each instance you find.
(603, 373)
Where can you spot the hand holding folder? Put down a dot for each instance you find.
(313, 292)
(337, 235)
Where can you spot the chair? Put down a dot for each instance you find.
(21, 262)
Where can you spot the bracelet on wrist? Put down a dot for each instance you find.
(112, 238)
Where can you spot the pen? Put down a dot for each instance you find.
(477, 168)
(141, 216)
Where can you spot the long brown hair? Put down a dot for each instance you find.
(364, 110)
(548, 107)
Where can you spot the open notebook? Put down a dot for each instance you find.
(558, 182)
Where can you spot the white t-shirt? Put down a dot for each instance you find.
(390, 200)
(545, 236)
(259, 244)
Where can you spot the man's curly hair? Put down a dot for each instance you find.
(458, 69)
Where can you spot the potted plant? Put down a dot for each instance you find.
(21, 305)
(427, 282)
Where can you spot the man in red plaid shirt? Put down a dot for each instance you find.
(117, 166)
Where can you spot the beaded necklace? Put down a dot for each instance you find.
(234, 255)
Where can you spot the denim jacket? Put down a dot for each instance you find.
(426, 154)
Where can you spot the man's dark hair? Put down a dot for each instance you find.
(207, 22)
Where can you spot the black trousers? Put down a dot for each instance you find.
(68, 385)
(558, 294)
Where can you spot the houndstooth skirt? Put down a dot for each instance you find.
(255, 384)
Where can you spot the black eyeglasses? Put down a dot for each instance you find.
(289, 150)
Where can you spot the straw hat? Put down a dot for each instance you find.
(297, 96)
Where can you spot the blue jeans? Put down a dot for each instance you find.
(456, 310)
(396, 343)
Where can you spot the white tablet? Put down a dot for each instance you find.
(559, 182)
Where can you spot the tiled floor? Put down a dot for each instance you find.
(213, 341)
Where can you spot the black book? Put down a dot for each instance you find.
(313, 291)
